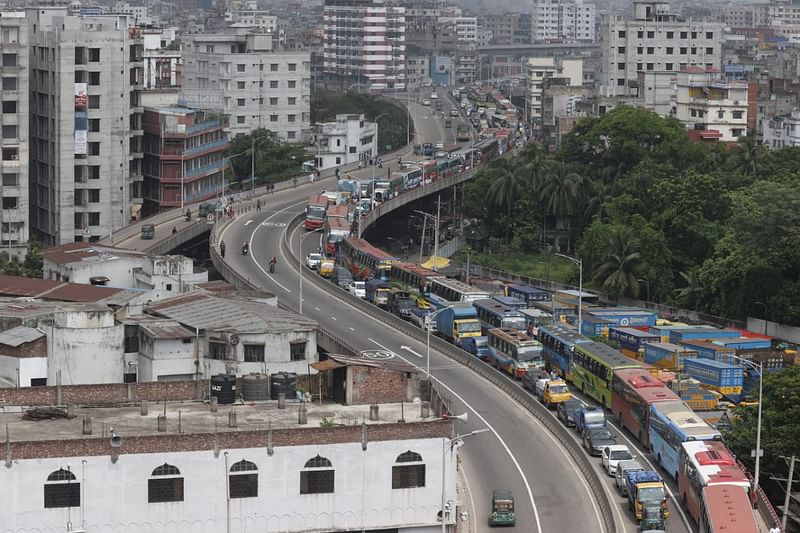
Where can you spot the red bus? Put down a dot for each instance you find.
(430, 171)
(633, 391)
(316, 211)
(363, 260)
(726, 509)
(703, 464)
(336, 230)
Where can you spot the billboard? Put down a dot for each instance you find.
(80, 96)
(80, 142)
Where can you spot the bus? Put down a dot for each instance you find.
(411, 177)
(414, 276)
(315, 211)
(336, 230)
(363, 260)
(705, 464)
(494, 314)
(514, 352)
(558, 343)
(570, 298)
(593, 364)
(631, 340)
(430, 170)
(462, 133)
(453, 290)
(527, 294)
(513, 303)
(672, 423)
(633, 390)
(487, 150)
(726, 509)
(448, 167)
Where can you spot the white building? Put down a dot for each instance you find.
(15, 185)
(783, 131)
(540, 69)
(708, 103)
(348, 140)
(483, 37)
(466, 27)
(246, 76)
(365, 39)
(563, 20)
(161, 59)
(418, 71)
(655, 40)
(86, 136)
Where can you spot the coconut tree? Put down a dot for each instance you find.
(616, 270)
(561, 190)
(507, 181)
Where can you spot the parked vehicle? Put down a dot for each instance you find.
(653, 519)
(595, 439)
(566, 411)
(623, 467)
(358, 289)
(502, 509)
(342, 277)
(205, 209)
(378, 292)
(325, 268)
(612, 455)
(426, 102)
(454, 113)
(540, 384)
(477, 346)
(555, 392)
(590, 417)
(401, 304)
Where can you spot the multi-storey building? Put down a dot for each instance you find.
(466, 27)
(655, 40)
(541, 69)
(15, 209)
(563, 20)
(418, 71)
(246, 77)
(523, 31)
(710, 105)
(365, 40)
(184, 157)
(501, 26)
(161, 59)
(85, 134)
(783, 131)
(348, 140)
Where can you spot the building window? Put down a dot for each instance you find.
(317, 476)
(94, 219)
(94, 148)
(620, 49)
(273, 100)
(62, 490)
(670, 50)
(290, 135)
(94, 101)
(94, 125)
(167, 485)
(10, 106)
(94, 78)
(10, 179)
(709, 50)
(240, 67)
(651, 50)
(621, 34)
(94, 55)
(273, 118)
(694, 35)
(273, 84)
(737, 132)
(10, 84)
(621, 82)
(243, 480)
(683, 50)
(640, 34)
(94, 196)
(668, 66)
(297, 351)
(240, 102)
(694, 50)
(292, 100)
(410, 472)
(292, 67)
(9, 132)
(738, 114)
(253, 353)
(651, 35)
(240, 84)
(709, 35)
(670, 34)
(720, 114)
(620, 66)
(218, 350)
(291, 117)
(650, 66)
(292, 84)
(273, 67)
(639, 50)
(240, 119)
(9, 60)
(94, 172)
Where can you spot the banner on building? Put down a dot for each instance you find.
(81, 142)
(81, 100)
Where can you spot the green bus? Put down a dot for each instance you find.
(593, 365)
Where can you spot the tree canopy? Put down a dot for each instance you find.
(274, 160)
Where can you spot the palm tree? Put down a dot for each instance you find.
(749, 157)
(616, 270)
(561, 189)
(505, 188)
(693, 293)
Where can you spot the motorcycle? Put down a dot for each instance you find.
(245, 249)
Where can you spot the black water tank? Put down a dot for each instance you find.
(223, 387)
(283, 382)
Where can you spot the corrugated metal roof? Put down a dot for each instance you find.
(234, 314)
(48, 289)
(80, 251)
(20, 335)
(165, 329)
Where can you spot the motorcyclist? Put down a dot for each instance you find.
(245, 248)
(222, 249)
(272, 263)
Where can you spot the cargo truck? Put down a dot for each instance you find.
(477, 346)
(645, 488)
(722, 377)
(419, 318)
(458, 322)
(378, 292)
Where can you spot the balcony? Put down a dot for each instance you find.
(205, 169)
(218, 144)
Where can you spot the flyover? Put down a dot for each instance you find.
(538, 49)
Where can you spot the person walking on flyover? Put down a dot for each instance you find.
(258, 205)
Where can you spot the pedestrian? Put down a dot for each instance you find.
(294, 182)
(258, 205)
(359, 164)
(370, 162)
(776, 528)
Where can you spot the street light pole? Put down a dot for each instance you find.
(451, 443)
(760, 368)
(300, 256)
(578, 262)
(428, 323)
(762, 304)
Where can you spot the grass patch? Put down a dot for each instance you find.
(540, 265)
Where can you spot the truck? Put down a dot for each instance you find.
(427, 149)
(724, 378)
(645, 488)
(462, 133)
(419, 318)
(401, 303)
(555, 392)
(477, 346)
(315, 211)
(458, 322)
(502, 509)
(378, 292)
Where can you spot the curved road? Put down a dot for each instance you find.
(520, 454)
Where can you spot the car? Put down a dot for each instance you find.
(434, 96)
(612, 455)
(566, 411)
(595, 439)
(454, 113)
(426, 102)
(463, 105)
(313, 259)
(358, 289)
(502, 509)
(530, 378)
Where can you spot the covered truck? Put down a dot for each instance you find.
(458, 322)
(646, 488)
(378, 292)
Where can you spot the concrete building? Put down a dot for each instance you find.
(654, 40)
(540, 69)
(161, 60)
(657, 90)
(86, 137)
(523, 30)
(348, 140)
(184, 157)
(365, 39)
(563, 20)
(247, 77)
(483, 37)
(783, 131)
(442, 70)
(418, 71)
(14, 188)
(502, 27)
(466, 27)
(710, 105)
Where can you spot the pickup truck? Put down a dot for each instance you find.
(458, 322)
(401, 303)
(555, 392)
(645, 487)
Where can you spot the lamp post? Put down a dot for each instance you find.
(300, 255)
(451, 444)
(762, 304)
(428, 323)
(578, 262)
(760, 368)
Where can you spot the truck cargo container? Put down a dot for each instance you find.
(512, 302)
(591, 326)
(527, 294)
(667, 355)
(457, 322)
(678, 335)
(700, 399)
(727, 379)
(709, 350)
(625, 316)
(745, 343)
(663, 331)
(631, 340)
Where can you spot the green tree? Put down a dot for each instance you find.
(616, 272)
(506, 176)
(749, 157)
(693, 293)
(274, 160)
(561, 190)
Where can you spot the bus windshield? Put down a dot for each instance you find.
(652, 494)
(315, 211)
(516, 322)
(530, 353)
(469, 327)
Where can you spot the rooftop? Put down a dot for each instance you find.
(165, 329)
(74, 252)
(19, 335)
(46, 289)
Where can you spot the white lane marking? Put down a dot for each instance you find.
(352, 328)
(334, 318)
(491, 428)
(248, 222)
(408, 349)
(316, 309)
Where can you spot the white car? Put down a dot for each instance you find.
(313, 259)
(612, 455)
(426, 102)
(358, 289)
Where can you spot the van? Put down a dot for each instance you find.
(148, 231)
(448, 123)
(477, 346)
(590, 417)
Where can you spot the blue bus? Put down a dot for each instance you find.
(527, 294)
(558, 342)
(512, 351)
(512, 302)
(493, 314)
(672, 423)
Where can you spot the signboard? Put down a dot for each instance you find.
(81, 99)
(80, 142)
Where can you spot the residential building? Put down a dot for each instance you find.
(161, 59)
(716, 109)
(655, 40)
(348, 140)
(418, 71)
(184, 157)
(540, 69)
(562, 104)
(483, 37)
(563, 20)
(442, 70)
(14, 188)
(523, 30)
(502, 27)
(783, 131)
(466, 66)
(657, 90)
(365, 40)
(86, 91)
(466, 27)
(247, 77)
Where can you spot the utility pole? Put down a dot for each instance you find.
(788, 496)
(436, 234)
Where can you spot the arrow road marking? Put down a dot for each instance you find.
(408, 349)
(248, 222)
